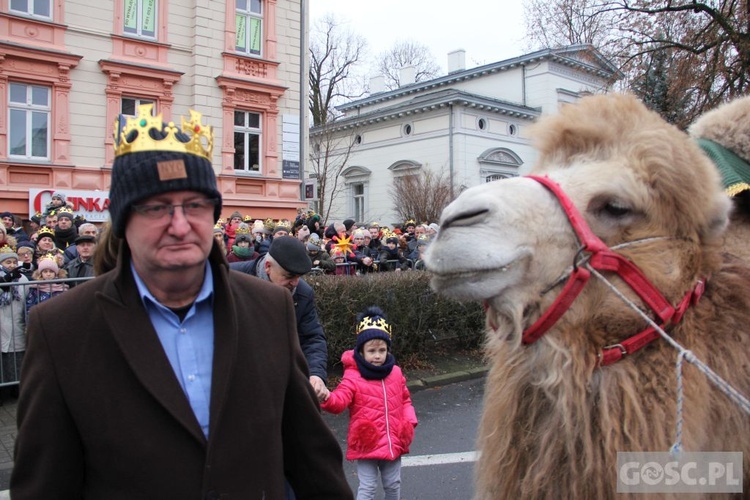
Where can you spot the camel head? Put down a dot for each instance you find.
(640, 184)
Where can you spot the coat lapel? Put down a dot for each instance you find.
(226, 331)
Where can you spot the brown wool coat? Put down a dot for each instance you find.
(102, 415)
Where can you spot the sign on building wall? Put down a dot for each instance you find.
(93, 205)
(290, 147)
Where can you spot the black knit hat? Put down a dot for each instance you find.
(372, 324)
(348, 223)
(144, 173)
(290, 253)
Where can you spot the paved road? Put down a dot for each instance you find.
(440, 465)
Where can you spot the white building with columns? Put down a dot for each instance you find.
(469, 124)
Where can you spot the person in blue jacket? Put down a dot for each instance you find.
(284, 265)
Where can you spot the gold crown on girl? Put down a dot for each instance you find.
(201, 141)
(369, 324)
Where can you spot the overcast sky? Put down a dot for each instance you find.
(488, 30)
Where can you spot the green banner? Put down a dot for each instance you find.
(131, 14)
(255, 36)
(149, 16)
(240, 26)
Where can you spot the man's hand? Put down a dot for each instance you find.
(319, 387)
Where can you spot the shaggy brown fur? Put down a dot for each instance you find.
(553, 421)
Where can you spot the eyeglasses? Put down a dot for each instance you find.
(193, 208)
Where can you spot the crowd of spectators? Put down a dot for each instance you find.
(38, 263)
(56, 250)
(337, 248)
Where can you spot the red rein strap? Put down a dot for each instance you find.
(603, 259)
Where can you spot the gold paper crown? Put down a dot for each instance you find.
(247, 218)
(410, 222)
(64, 210)
(219, 225)
(221, 221)
(369, 324)
(45, 231)
(242, 230)
(387, 233)
(7, 249)
(144, 122)
(48, 256)
(284, 223)
(269, 224)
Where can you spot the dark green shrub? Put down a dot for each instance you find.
(418, 316)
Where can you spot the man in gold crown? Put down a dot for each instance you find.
(147, 382)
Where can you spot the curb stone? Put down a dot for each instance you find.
(445, 379)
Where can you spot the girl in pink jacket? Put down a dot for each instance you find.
(381, 416)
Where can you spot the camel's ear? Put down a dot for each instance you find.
(718, 219)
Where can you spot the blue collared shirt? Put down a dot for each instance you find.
(189, 344)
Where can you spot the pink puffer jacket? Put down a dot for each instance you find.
(381, 416)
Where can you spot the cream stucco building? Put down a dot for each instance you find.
(469, 124)
(69, 67)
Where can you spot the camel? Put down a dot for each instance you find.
(563, 395)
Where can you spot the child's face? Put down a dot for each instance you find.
(25, 255)
(9, 264)
(392, 246)
(243, 244)
(57, 201)
(48, 274)
(375, 351)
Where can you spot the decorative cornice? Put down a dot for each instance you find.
(604, 69)
(427, 103)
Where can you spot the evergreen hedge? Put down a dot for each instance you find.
(418, 316)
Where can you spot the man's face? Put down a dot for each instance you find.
(374, 232)
(280, 276)
(419, 231)
(8, 222)
(176, 242)
(280, 233)
(85, 249)
(52, 221)
(87, 230)
(235, 221)
(64, 223)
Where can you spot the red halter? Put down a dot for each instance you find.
(602, 258)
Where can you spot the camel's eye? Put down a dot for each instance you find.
(615, 209)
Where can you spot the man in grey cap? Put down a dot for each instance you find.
(284, 265)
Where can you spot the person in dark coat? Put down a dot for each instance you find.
(169, 376)
(284, 265)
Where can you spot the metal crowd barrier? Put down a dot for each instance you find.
(14, 307)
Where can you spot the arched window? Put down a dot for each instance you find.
(498, 163)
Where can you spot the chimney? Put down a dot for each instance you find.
(407, 75)
(456, 61)
(377, 84)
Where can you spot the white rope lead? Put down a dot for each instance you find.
(677, 446)
(722, 384)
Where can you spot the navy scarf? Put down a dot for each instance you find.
(372, 372)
